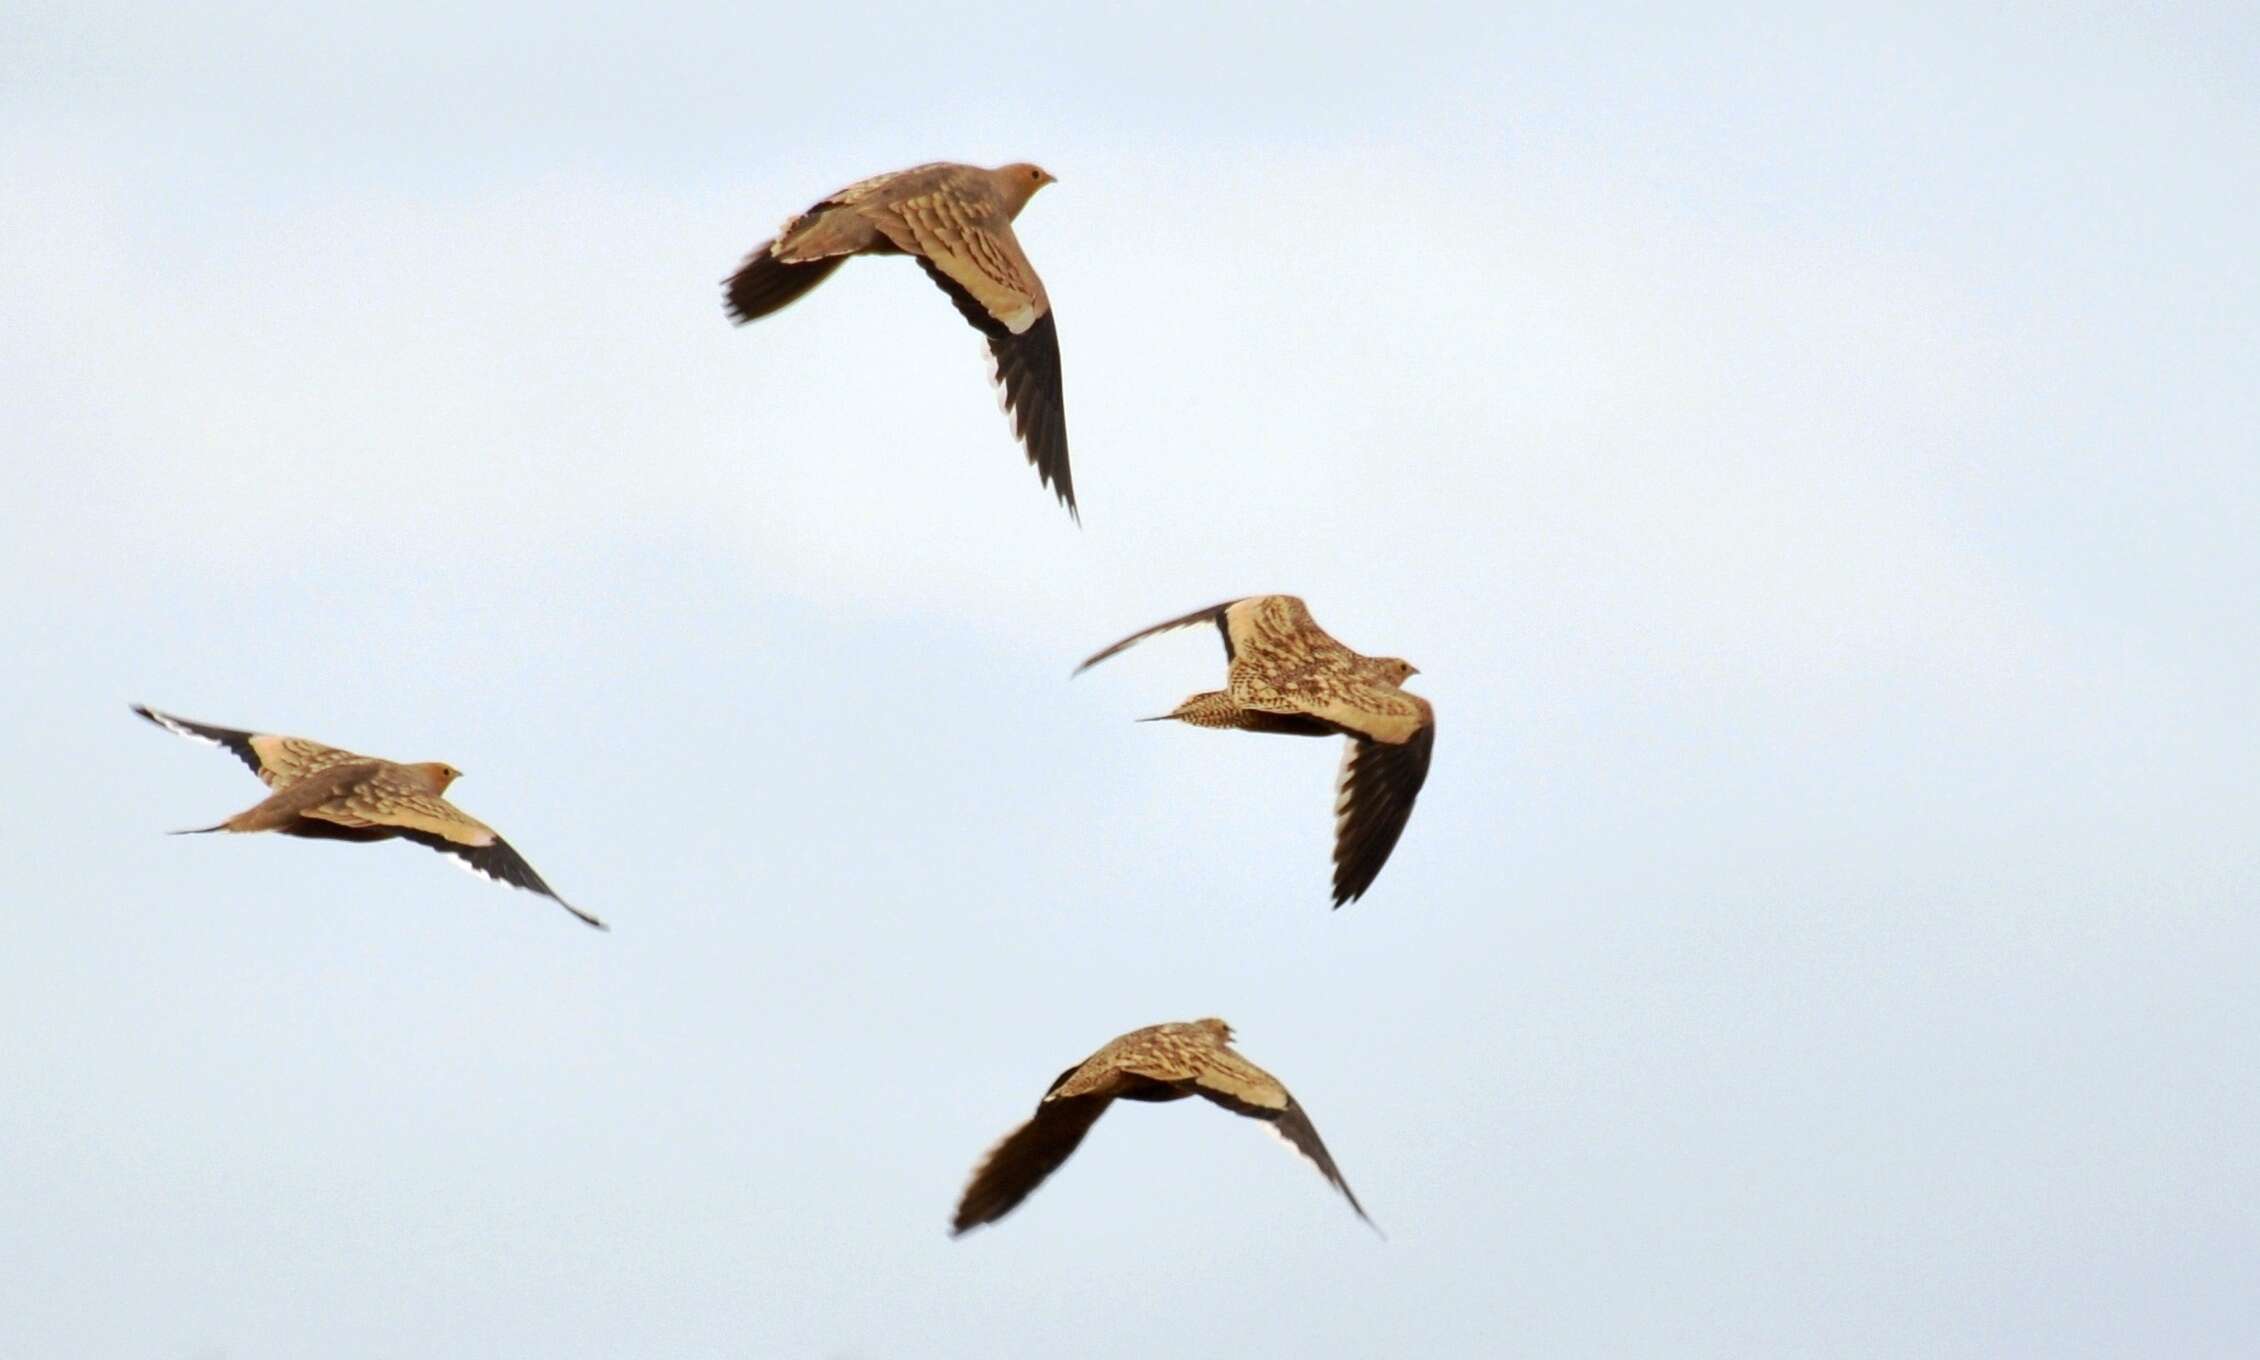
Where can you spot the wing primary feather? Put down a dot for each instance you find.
(1213, 612)
(1025, 368)
(1379, 784)
(226, 738)
(498, 863)
(1294, 1129)
(765, 284)
(1025, 1159)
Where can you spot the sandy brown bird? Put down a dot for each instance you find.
(1157, 1063)
(328, 794)
(956, 221)
(1287, 675)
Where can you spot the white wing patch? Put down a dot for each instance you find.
(1302, 1156)
(174, 725)
(460, 862)
(996, 377)
(1271, 1127)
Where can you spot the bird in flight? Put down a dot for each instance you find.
(956, 221)
(1157, 1063)
(1288, 675)
(329, 794)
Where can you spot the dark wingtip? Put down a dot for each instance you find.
(585, 918)
(1351, 1196)
(766, 284)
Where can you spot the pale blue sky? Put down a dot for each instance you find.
(1810, 456)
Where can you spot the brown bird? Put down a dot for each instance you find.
(956, 221)
(1287, 675)
(328, 794)
(1157, 1063)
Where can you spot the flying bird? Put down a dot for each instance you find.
(1288, 675)
(956, 221)
(328, 794)
(1157, 1063)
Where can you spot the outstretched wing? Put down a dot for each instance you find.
(432, 821)
(1027, 369)
(1293, 1127)
(1373, 800)
(1213, 614)
(967, 239)
(964, 241)
(226, 738)
(765, 284)
(278, 760)
(1025, 1158)
(1229, 1080)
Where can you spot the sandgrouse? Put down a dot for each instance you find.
(1287, 675)
(956, 221)
(1157, 1063)
(329, 794)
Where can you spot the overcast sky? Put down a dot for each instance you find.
(1810, 457)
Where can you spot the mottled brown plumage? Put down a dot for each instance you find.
(1157, 1063)
(956, 221)
(1287, 675)
(331, 794)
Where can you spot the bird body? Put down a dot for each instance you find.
(327, 793)
(1159, 1063)
(1286, 675)
(956, 220)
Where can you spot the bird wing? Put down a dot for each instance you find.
(1024, 1158)
(385, 799)
(1026, 368)
(1230, 1080)
(765, 284)
(1373, 800)
(278, 760)
(867, 190)
(956, 225)
(810, 245)
(1282, 661)
(964, 241)
(1213, 614)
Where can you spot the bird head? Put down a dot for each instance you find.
(437, 775)
(1222, 1031)
(1398, 669)
(1018, 182)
